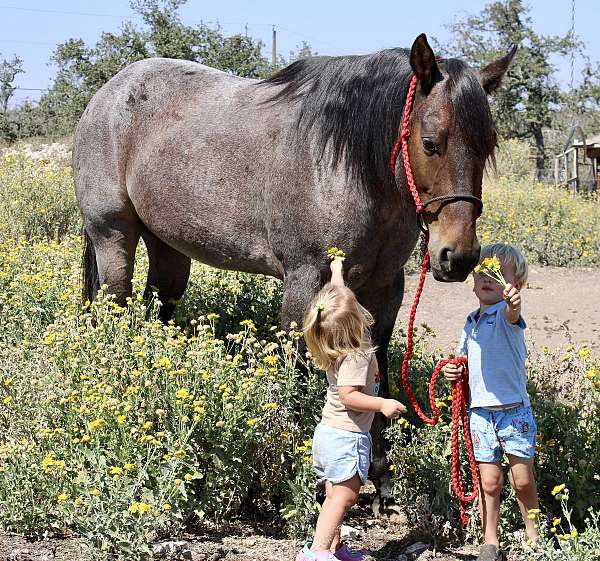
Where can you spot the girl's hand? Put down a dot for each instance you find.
(452, 372)
(336, 265)
(513, 298)
(391, 408)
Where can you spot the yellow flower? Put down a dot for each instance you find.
(188, 477)
(584, 352)
(335, 253)
(86, 438)
(95, 492)
(62, 497)
(128, 467)
(167, 506)
(272, 406)
(556, 521)
(249, 324)
(179, 454)
(271, 360)
(212, 317)
(139, 507)
(557, 489)
(96, 423)
(147, 425)
(116, 470)
(182, 393)
(574, 533)
(251, 422)
(7, 399)
(121, 419)
(163, 362)
(393, 467)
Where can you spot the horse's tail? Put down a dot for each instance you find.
(91, 279)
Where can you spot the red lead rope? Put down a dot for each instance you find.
(459, 388)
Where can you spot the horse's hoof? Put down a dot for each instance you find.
(388, 507)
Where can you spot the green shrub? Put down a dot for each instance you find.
(37, 199)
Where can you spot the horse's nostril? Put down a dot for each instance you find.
(446, 259)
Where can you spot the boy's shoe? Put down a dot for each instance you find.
(344, 553)
(305, 554)
(491, 552)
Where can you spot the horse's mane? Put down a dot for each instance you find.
(354, 104)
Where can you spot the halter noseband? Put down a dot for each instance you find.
(402, 144)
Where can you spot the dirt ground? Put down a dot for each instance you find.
(560, 306)
(388, 541)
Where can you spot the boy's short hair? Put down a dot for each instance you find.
(509, 255)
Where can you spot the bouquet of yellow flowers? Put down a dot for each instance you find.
(490, 267)
(335, 253)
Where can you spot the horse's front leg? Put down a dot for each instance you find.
(383, 303)
(299, 287)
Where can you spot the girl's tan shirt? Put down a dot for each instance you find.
(359, 369)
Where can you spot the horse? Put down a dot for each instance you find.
(264, 176)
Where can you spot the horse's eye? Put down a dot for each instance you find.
(430, 147)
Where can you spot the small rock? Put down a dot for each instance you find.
(416, 548)
(249, 542)
(219, 554)
(170, 548)
(349, 533)
(400, 519)
(371, 522)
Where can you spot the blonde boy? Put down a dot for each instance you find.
(501, 419)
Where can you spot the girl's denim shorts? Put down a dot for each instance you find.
(340, 454)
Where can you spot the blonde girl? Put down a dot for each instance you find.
(336, 330)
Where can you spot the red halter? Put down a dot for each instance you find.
(460, 388)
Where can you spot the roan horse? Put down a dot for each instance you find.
(265, 176)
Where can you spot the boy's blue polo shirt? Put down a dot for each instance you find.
(496, 352)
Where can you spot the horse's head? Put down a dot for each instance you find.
(451, 138)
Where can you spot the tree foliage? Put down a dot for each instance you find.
(530, 95)
(83, 69)
(9, 69)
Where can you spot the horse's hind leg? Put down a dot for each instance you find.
(113, 244)
(168, 273)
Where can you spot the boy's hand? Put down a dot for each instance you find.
(452, 372)
(391, 408)
(512, 297)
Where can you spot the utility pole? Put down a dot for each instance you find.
(274, 47)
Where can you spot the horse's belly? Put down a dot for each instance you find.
(208, 226)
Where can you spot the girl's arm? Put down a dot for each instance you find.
(353, 398)
(337, 272)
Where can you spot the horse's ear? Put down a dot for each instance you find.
(490, 76)
(423, 64)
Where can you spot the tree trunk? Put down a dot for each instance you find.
(540, 158)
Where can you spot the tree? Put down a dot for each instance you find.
(530, 95)
(82, 70)
(9, 69)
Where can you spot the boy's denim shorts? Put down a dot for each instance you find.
(498, 431)
(339, 454)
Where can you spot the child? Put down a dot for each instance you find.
(500, 416)
(336, 329)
